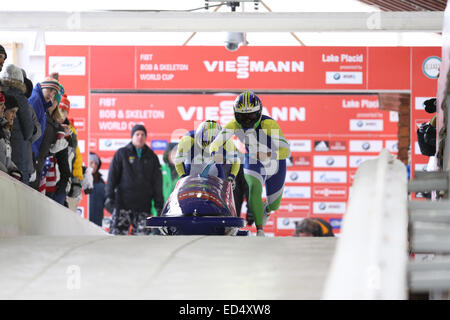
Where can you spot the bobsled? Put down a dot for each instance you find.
(199, 205)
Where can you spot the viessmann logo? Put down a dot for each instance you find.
(243, 66)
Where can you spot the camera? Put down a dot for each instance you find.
(233, 40)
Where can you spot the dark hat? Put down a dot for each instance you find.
(138, 127)
(11, 102)
(28, 84)
(430, 105)
(2, 50)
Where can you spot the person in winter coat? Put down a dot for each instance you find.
(74, 155)
(6, 124)
(97, 197)
(41, 100)
(134, 180)
(12, 83)
(37, 131)
(54, 143)
(168, 171)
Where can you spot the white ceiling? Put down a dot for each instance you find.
(214, 38)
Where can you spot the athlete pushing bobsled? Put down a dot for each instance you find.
(193, 157)
(265, 159)
(202, 201)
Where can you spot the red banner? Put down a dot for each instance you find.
(330, 134)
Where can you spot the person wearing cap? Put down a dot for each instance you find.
(6, 124)
(12, 82)
(42, 99)
(134, 181)
(75, 158)
(313, 227)
(97, 196)
(3, 56)
(53, 143)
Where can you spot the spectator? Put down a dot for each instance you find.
(74, 155)
(42, 99)
(52, 143)
(12, 82)
(3, 57)
(7, 122)
(313, 227)
(97, 197)
(169, 173)
(134, 180)
(37, 131)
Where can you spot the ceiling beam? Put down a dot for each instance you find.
(145, 21)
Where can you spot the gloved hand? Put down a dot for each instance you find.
(231, 178)
(250, 218)
(75, 188)
(59, 145)
(33, 176)
(109, 205)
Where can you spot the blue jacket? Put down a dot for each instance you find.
(40, 107)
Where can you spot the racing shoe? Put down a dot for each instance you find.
(266, 214)
(260, 233)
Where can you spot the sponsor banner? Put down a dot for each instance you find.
(343, 77)
(366, 125)
(77, 102)
(112, 144)
(336, 223)
(287, 223)
(326, 207)
(330, 161)
(79, 124)
(338, 146)
(355, 161)
(67, 66)
(294, 207)
(159, 144)
(366, 146)
(430, 67)
(330, 192)
(393, 116)
(419, 102)
(300, 161)
(321, 145)
(300, 145)
(298, 176)
(82, 146)
(392, 145)
(291, 192)
(330, 176)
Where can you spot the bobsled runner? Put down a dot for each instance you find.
(199, 205)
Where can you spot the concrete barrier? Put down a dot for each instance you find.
(371, 256)
(25, 211)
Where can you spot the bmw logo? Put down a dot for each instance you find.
(360, 123)
(366, 146)
(322, 206)
(336, 76)
(330, 161)
(108, 143)
(293, 176)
